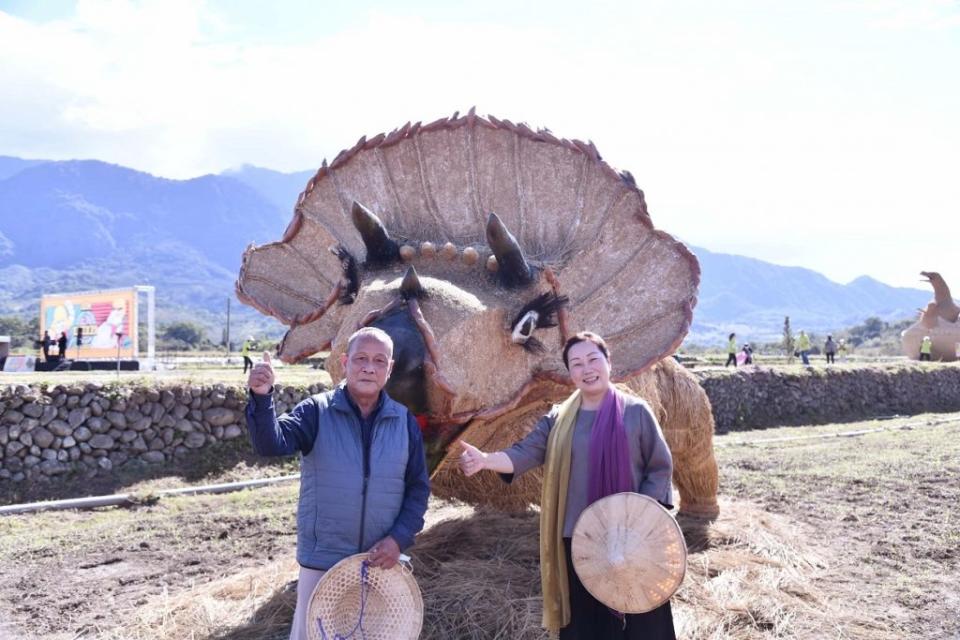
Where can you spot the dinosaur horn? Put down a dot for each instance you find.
(410, 286)
(381, 249)
(513, 269)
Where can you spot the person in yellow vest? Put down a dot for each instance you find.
(926, 348)
(803, 346)
(731, 350)
(245, 352)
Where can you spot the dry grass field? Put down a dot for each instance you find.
(835, 537)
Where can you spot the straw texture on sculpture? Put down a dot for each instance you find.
(517, 238)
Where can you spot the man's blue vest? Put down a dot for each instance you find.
(342, 511)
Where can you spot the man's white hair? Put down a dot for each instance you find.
(371, 333)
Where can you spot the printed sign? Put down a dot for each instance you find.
(107, 318)
(19, 364)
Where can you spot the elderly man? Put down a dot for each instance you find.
(363, 483)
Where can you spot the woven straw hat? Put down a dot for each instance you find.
(389, 606)
(629, 552)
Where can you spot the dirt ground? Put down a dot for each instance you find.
(883, 507)
(888, 504)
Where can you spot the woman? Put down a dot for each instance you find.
(598, 442)
(830, 350)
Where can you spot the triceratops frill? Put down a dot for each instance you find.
(479, 245)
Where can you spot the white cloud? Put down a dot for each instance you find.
(147, 74)
(932, 15)
(740, 127)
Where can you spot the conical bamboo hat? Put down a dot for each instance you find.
(629, 552)
(386, 602)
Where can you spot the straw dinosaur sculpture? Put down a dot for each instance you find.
(479, 245)
(939, 320)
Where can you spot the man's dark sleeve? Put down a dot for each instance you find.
(417, 492)
(292, 432)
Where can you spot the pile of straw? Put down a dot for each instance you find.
(480, 577)
(750, 575)
(255, 604)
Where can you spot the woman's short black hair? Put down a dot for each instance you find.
(585, 336)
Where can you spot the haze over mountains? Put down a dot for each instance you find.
(84, 224)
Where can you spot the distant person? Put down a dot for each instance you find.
(842, 350)
(62, 346)
(45, 343)
(926, 348)
(830, 349)
(747, 352)
(245, 352)
(731, 350)
(803, 347)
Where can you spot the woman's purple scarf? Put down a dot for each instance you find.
(610, 470)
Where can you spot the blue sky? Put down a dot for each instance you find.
(820, 133)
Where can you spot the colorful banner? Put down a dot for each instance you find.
(106, 318)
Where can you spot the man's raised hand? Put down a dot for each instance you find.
(261, 376)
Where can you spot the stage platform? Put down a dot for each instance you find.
(86, 365)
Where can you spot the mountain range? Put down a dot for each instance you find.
(752, 297)
(85, 224)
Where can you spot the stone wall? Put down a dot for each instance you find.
(751, 397)
(90, 429)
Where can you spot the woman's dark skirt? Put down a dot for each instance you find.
(590, 619)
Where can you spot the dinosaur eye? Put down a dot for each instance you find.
(539, 313)
(523, 329)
